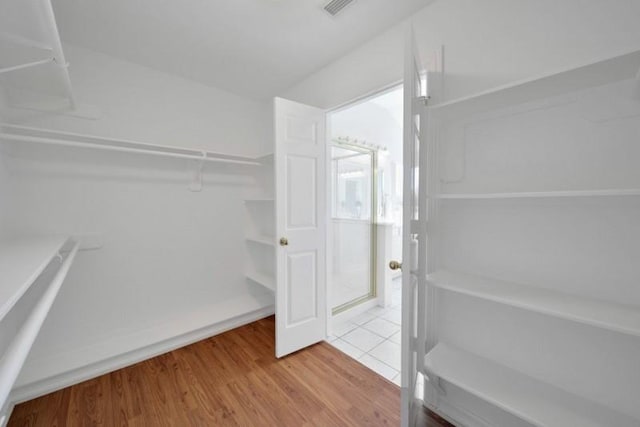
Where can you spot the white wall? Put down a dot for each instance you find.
(487, 43)
(172, 260)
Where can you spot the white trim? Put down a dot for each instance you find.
(366, 97)
(40, 388)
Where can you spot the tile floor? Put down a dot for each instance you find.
(373, 337)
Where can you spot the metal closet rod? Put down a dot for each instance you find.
(99, 143)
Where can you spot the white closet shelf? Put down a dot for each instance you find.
(540, 194)
(259, 200)
(263, 279)
(18, 350)
(533, 401)
(263, 240)
(606, 315)
(18, 133)
(21, 262)
(621, 67)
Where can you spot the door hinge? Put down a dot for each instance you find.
(421, 101)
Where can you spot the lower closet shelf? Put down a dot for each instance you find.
(21, 262)
(262, 279)
(516, 393)
(606, 315)
(16, 353)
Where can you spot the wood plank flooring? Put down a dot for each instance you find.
(232, 379)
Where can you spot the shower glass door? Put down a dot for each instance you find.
(352, 224)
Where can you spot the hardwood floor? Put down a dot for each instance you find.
(231, 379)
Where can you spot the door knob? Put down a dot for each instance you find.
(284, 241)
(395, 265)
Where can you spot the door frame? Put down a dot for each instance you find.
(328, 143)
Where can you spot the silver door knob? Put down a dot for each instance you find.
(284, 241)
(395, 265)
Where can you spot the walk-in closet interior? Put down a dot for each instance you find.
(173, 172)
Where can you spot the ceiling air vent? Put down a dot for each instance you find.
(335, 6)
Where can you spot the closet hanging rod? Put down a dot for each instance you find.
(79, 137)
(196, 155)
(26, 65)
(17, 352)
(93, 140)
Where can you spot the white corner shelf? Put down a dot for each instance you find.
(263, 279)
(21, 262)
(615, 317)
(617, 68)
(262, 240)
(533, 401)
(540, 194)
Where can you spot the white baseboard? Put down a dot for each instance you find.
(38, 388)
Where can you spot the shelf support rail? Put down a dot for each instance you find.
(15, 356)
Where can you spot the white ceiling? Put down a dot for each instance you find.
(256, 48)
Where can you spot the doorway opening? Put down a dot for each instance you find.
(365, 232)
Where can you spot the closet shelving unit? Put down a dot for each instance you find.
(260, 228)
(22, 262)
(537, 402)
(606, 315)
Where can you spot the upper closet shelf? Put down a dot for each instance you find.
(540, 194)
(607, 315)
(21, 262)
(531, 400)
(45, 136)
(618, 68)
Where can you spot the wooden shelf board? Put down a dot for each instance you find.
(262, 279)
(534, 401)
(21, 262)
(617, 68)
(615, 317)
(540, 194)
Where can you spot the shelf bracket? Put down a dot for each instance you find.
(196, 183)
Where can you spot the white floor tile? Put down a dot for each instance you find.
(362, 339)
(388, 352)
(363, 318)
(397, 380)
(394, 316)
(341, 328)
(331, 338)
(382, 327)
(377, 366)
(396, 338)
(347, 348)
(377, 311)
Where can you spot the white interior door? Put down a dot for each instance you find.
(301, 313)
(414, 239)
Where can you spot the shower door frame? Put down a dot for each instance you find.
(373, 245)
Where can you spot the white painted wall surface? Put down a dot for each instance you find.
(172, 260)
(488, 43)
(146, 105)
